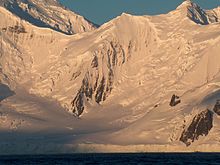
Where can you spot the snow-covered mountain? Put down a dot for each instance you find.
(50, 14)
(137, 83)
(197, 14)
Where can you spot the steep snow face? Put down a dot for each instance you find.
(49, 13)
(23, 46)
(90, 73)
(122, 75)
(14, 64)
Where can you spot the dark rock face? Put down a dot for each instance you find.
(5, 92)
(15, 29)
(174, 100)
(99, 79)
(217, 107)
(84, 92)
(95, 62)
(201, 124)
(197, 14)
(78, 103)
(100, 91)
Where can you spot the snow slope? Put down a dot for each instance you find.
(110, 89)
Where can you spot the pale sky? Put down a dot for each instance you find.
(101, 11)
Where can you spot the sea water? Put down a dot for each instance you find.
(118, 159)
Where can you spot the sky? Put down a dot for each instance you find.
(101, 11)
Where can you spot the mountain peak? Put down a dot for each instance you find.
(188, 4)
(185, 3)
(194, 12)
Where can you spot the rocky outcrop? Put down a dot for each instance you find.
(197, 14)
(15, 29)
(95, 62)
(201, 124)
(213, 16)
(78, 103)
(5, 92)
(216, 108)
(174, 100)
(99, 79)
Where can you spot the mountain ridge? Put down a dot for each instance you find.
(50, 14)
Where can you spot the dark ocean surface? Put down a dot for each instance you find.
(118, 159)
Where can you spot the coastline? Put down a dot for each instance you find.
(36, 149)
